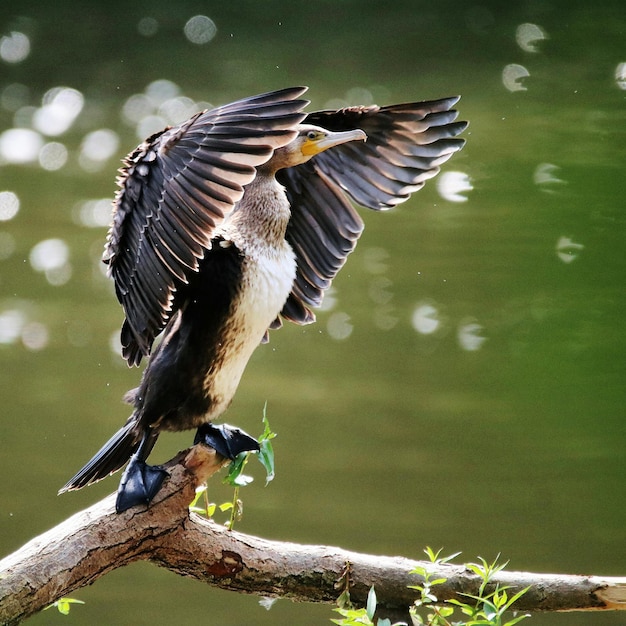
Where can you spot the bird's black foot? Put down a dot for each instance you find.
(226, 440)
(140, 483)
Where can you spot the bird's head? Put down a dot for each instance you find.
(309, 141)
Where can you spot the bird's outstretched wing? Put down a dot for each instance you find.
(175, 188)
(406, 144)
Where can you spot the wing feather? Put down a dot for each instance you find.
(406, 144)
(175, 189)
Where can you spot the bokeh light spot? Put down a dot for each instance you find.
(51, 256)
(375, 260)
(53, 156)
(20, 145)
(61, 106)
(178, 109)
(452, 185)
(425, 319)
(161, 90)
(468, 335)
(149, 125)
(136, 108)
(528, 35)
(339, 326)
(512, 75)
(568, 250)
(200, 29)
(9, 205)
(7, 245)
(94, 213)
(620, 75)
(14, 47)
(97, 147)
(11, 323)
(147, 26)
(14, 96)
(35, 336)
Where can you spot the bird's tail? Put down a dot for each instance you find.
(111, 457)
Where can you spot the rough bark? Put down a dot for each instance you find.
(97, 540)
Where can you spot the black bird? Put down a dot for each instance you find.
(229, 222)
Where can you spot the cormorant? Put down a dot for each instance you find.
(229, 222)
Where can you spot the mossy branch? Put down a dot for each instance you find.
(97, 540)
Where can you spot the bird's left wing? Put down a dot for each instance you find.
(406, 144)
(175, 189)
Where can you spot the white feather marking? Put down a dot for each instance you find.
(268, 275)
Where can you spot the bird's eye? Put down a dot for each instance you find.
(312, 134)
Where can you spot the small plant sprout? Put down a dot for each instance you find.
(437, 614)
(487, 609)
(490, 606)
(63, 605)
(362, 617)
(356, 617)
(209, 507)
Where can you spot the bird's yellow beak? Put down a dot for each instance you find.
(321, 141)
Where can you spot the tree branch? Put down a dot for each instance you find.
(97, 540)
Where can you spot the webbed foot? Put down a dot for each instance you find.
(229, 441)
(140, 483)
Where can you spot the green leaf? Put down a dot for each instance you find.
(418, 569)
(235, 475)
(371, 603)
(267, 431)
(199, 491)
(517, 596)
(63, 605)
(266, 458)
(343, 601)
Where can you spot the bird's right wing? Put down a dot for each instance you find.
(323, 229)
(406, 144)
(175, 188)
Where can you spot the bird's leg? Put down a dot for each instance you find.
(226, 440)
(140, 481)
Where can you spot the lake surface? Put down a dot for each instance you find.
(463, 386)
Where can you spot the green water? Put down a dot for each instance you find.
(465, 387)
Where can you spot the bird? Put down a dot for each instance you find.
(229, 223)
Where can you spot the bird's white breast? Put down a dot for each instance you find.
(268, 274)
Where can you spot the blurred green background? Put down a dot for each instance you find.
(464, 386)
